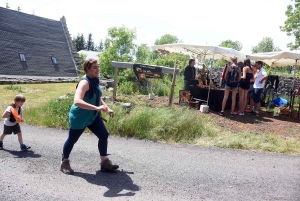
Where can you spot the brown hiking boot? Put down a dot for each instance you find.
(65, 167)
(107, 166)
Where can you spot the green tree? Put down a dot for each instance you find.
(292, 25)
(143, 54)
(101, 46)
(232, 44)
(90, 43)
(166, 39)
(265, 45)
(79, 42)
(118, 46)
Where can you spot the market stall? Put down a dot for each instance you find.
(202, 52)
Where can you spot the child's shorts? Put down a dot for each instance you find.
(12, 129)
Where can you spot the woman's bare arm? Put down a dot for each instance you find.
(82, 88)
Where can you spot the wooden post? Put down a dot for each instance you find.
(173, 86)
(115, 84)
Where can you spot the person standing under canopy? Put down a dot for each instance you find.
(189, 75)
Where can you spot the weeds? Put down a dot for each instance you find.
(14, 88)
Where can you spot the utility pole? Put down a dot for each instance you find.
(19, 9)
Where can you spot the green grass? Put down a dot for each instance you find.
(173, 125)
(36, 94)
(166, 124)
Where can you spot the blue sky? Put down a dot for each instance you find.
(192, 21)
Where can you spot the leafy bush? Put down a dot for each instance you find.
(127, 88)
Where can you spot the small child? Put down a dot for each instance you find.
(13, 116)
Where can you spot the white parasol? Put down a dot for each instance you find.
(275, 59)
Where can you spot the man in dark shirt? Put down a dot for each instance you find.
(189, 75)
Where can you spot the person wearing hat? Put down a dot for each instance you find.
(189, 75)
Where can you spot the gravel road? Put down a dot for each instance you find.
(148, 171)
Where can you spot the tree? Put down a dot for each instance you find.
(232, 44)
(265, 45)
(143, 54)
(118, 46)
(292, 25)
(90, 43)
(100, 47)
(79, 42)
(166, 39)
(82, 44)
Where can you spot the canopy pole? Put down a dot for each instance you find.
(210, 78)
(115, 84)
(173, 86)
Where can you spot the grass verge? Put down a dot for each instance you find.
(36, 94)
(165, 124)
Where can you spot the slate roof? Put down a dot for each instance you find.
(38, 39)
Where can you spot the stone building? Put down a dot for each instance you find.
(35, 46)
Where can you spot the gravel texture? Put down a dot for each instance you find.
(148, 171)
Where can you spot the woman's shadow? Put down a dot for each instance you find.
(115, 182)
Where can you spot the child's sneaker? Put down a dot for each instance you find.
(107, 166)
(1, 145)
(24, 147)
(221, 113)
(65, 167)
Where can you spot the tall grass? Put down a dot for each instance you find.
(52, 114)
(165, 124)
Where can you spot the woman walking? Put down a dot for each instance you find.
(85, 113)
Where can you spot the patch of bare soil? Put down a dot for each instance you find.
(265, 123)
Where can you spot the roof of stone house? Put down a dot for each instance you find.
(39, 39)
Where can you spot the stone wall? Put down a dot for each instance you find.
(106, 83)
(12, 80)
(73, 51)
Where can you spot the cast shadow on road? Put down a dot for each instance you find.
(115, 182)
(22, 154)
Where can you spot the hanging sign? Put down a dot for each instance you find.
(145, 71)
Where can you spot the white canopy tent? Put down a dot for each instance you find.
(201, 52)
(276, 59)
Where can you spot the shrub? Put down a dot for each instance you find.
(127, 88)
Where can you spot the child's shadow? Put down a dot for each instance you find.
(23, 154)
(115, 182)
